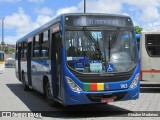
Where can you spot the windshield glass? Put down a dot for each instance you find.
(101, 51)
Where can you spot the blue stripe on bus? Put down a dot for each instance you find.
(41, 62)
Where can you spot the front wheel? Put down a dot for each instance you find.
(49, 95)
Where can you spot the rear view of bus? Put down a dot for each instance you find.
(150, 56)
(2, 63)
(101, 59)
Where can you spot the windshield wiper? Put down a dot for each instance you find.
(114, 38)
(111, 43)
(91, 38)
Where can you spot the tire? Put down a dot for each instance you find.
(25, 87)
(48, 96)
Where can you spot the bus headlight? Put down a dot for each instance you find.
(135, 81)
(73, 85)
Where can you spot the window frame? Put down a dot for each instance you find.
(153, 46)
(41, 44)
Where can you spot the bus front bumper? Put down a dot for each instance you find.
(100, 97)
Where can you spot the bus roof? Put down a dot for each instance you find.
(150, 32)
(58, 19)
(45, 26)
(105, 14)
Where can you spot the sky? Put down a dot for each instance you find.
(23, 16)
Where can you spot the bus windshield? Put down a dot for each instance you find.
(100, 51)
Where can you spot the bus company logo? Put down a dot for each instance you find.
(6, 114)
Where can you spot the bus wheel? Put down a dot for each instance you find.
(48, 94)
(25, 87)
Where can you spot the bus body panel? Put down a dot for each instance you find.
(150, 67)
(16, 69)
(24, 68)
(39, 68)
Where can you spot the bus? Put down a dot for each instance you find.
(2, 62)
(9, 62)
(81, 59)
(150, 56)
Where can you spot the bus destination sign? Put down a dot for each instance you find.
(97, 21)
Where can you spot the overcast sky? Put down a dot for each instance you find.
(23, 16)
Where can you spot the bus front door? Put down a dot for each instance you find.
(29, 64)
(56, 63)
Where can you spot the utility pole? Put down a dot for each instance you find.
(2, 43)
(84, 6)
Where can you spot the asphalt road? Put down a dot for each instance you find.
(13, 98)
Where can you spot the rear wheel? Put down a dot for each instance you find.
(25, 87)
(49, 95)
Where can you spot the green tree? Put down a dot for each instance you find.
(6, 49)
(138, 29)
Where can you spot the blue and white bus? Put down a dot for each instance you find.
(81, 59)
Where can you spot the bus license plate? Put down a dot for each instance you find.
(106, 100)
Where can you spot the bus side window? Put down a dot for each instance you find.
(36, 52)
(36, 46)
(45, 44)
